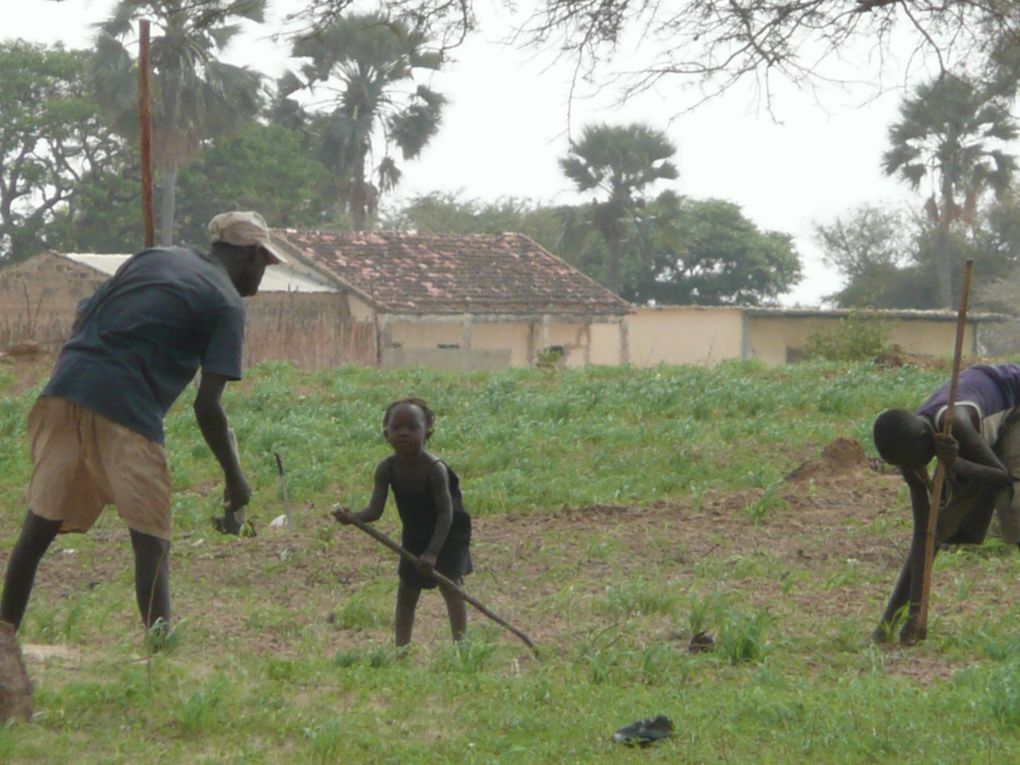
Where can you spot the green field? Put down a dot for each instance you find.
(617, 513)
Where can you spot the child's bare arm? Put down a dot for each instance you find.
(380, 489)
(440, 481)
(374, 509)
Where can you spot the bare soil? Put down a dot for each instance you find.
(827, 549)
(831, 548)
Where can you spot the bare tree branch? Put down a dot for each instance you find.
(717, 43)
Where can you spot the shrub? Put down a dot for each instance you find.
(857, 337)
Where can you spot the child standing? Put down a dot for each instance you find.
(436, 527)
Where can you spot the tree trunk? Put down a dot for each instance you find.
(943, 267)
(167, 205)
(358, 197)
(170, 161)
(613, 266)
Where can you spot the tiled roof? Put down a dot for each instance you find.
(505, 274)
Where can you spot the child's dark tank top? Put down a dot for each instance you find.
(418, 517)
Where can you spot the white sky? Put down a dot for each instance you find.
(506, 125)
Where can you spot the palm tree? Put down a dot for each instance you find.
(952, 133)
(195, 96)
(619, 162)
(366, 63)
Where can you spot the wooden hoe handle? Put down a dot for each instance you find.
(380, 537)
(916, 627)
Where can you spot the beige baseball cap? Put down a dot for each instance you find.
(245, 228)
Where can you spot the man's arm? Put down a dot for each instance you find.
(971, 458)
(212, 421)
(918, 484)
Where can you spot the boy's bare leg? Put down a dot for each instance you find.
(457, 610)
(36, 535)
(152, 578)
(407, 601)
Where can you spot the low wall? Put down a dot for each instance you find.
(681, 335)
(781, 339)
(446, 359)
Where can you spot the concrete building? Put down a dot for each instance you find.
(705, 335)
(466, 302)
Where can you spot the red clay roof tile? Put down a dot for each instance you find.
(444, 274)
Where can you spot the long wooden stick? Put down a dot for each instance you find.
(917, 627)
(145, 133)
(380, 537)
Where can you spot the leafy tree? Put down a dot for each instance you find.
(439, 213)
(104, 216)
(52, 136)
(871, 249)
(952, 134)
(195, 96)
(368, 61)
(697, 251)
(705, 252)
(618, 163)
(266, 168)
(720, 43)
(888, 257)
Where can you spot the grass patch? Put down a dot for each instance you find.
(618, 513)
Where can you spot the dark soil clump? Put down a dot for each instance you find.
(841, 456)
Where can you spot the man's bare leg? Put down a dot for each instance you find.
(152, 579)
(35, 538)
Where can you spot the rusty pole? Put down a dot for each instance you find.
(145, 132)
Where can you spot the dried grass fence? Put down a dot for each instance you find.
(309, 330)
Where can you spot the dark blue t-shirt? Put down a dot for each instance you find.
(141, 338)
(994, 389)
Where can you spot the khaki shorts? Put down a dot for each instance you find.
(82, 462)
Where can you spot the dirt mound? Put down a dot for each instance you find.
(839, 457)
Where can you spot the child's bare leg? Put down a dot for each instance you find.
(407, 601)
(457, 609)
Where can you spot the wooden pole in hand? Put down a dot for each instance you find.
(917, 628)
(380, 537)
(145, 132)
